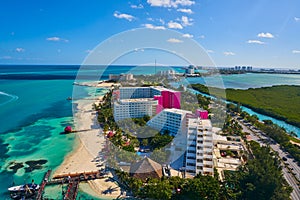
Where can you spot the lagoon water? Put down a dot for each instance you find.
(251, 80)
(34, 110)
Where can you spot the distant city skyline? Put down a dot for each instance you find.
(260, 33)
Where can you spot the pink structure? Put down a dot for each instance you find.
(167, 99)
(171, 99)
(160, 106)
(203, 114)
(116, 94)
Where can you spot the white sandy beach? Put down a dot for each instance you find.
(85, 157)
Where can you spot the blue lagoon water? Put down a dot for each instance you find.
(250, 80)
(34, 110)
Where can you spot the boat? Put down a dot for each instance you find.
(24, 188)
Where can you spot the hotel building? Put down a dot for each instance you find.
(199, 154)
(192, 131)
(133, 102)
(193, 139)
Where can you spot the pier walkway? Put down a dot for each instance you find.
(72, 191)
(72, 179)
(43, 184)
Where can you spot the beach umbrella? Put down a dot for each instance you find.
(68, 129)
(110, 134)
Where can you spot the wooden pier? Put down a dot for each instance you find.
(83, 176)
(43, 184)
(72, 190)
(72, 179)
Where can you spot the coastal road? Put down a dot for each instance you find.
(288, 167)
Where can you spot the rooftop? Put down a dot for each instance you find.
(137, 100)
(178, 111)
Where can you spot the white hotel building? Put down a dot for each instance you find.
(134, 108)
(192, 135)
(199, 155)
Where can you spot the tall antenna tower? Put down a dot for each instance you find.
(155, 66)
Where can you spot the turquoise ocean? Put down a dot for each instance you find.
(34, 110)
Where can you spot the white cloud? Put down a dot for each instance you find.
(161, 21)
(140, 6)
(174, 40)
(209, 51)
(187, 35)
(56, 39)
(124, 16)
(228, 53)
(170, 3)
(184, 10)
(151, 26)
(88, 51)
(255, 42)
(297, 19)
(186, 21)
(150, 19)
(19, 50)
(296, 51)
(174, 25)
(202, 36)
(265, 35)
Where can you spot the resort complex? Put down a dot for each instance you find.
(192, 148)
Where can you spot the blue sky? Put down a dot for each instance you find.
(261, 33)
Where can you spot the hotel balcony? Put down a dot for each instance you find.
(191, 161)
(199, 164)
(199, 156)
(205, 162)
(207, 156)
(207, 153)
(209, 170)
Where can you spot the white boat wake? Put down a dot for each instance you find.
(11, 98)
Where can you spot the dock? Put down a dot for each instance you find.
(72, 179)
(72, 190)
(43, 184)
(83, 176)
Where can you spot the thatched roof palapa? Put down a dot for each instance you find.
(146, 168)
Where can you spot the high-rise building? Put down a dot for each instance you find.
(199, 154)
(193, 137)
(171, 120)
(134, 108)
(133, 102)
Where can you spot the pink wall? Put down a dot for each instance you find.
(116, 94)
(159, 107)
(166, 98)
(176, 100)
(203, 114)
(171, 99)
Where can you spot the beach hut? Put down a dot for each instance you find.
(146, 168)
(68, 129)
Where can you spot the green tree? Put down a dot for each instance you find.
(157, 189)
(201, 187)
(145, 142)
